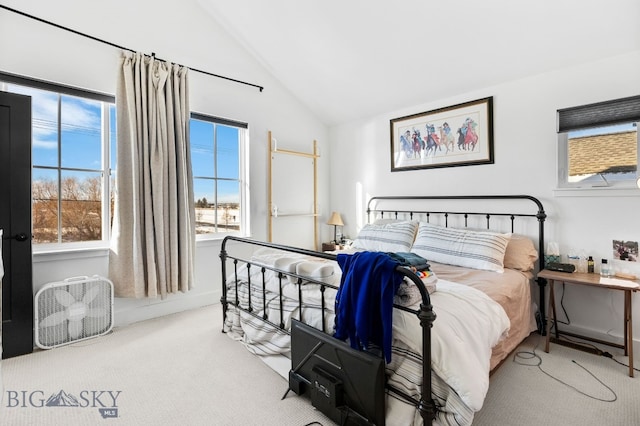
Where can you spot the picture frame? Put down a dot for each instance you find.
(625, 250)
(457, 135)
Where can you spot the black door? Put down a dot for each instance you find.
(15, 221)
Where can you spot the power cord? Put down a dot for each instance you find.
(597, 351)
(529, 355)
(566, 315)
(564, 310)
(556, 321)
(608, 355)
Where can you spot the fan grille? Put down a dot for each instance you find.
(73, 310)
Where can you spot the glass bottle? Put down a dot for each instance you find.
(605, 269)
(590, 265)
(583, 263)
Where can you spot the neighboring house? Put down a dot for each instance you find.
(613, 153)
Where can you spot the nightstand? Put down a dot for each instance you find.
(593, 280)
(335, 248)
(328, 247)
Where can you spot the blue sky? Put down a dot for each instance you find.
(603, 130)
(81, 142)
(202, 159)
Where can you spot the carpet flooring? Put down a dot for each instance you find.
(181, 370)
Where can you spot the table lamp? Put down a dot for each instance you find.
(336, 221)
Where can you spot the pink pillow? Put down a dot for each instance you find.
(520, 254)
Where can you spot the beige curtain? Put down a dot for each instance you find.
(153, 238)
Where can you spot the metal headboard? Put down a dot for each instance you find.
(539, 214)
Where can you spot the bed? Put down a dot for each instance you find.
(450, 329)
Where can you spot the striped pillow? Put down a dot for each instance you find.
(461, 247)
(388, 237)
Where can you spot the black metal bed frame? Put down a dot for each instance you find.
(540, 215)
(425, 314)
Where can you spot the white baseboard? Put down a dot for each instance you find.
(129, 311)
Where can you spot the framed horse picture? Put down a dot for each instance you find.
(458, 135)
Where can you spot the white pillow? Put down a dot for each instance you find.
(388, 237)
(320, 271)
(385, 221)
(461, 247)
(520, 254)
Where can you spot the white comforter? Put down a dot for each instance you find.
(468, 325)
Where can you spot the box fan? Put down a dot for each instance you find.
(72, 310)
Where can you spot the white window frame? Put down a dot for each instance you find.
(105, 101)
(602, 114)
(243, 153)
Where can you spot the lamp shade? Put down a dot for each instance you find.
(335, 219)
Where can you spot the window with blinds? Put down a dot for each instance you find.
(598, 144)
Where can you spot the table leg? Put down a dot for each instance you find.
(552, 315)
(628, 330)
(555, 314)
(626, 322)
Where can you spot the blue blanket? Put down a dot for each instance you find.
(364, 302)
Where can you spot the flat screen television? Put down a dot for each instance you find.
(346, 384)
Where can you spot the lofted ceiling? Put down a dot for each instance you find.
(352, 59)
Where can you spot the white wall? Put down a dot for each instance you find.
(180, 32)
(525, 162)
(355, 156)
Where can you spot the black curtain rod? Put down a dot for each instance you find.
(122, 47)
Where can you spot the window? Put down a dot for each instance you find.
(73, 167)
(217, 157)
(598, 145)
(72, 133)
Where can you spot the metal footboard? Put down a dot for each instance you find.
(425, 313)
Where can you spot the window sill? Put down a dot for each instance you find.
(61, 254)
(597, 192)
(69, 254)
(210, 239)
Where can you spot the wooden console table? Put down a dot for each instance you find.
(594, 280)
